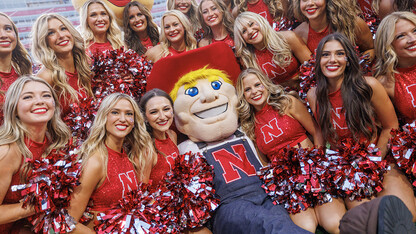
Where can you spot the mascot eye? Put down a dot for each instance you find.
(216, 84)
(192, 91)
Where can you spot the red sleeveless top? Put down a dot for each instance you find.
(228, 40)
(172, 51)
(121, 178)
(7, 78)
(276, 73)
(338, 115)
(261, 8)
(274, 131)
(165, 162)
(11, 197)
(73, 82)
(405, 93)
(315, 37)
(365, 6)
(96, 47)
(147, 43)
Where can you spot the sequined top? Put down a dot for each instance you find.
(172, 51)
(7, 78)
(405, 93)
(165, 161)
(275, 72)
(274, 131)
(73, 82)
(315, 37)
(147, 43)
(338, 115)
(96, 47)
(228, 40)
(365, 6)
(121, 178)
(261, 8)
(11, 197)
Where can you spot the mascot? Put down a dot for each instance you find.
(205, 104)
(117, 6)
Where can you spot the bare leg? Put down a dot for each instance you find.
(329, 214)
(306, 219)
(351, 204)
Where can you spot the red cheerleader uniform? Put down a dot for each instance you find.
(121, 178)
(228, 40)
(405, 93)
(365, 6)
(7, 78)
(261, 8)
(276, 73)
(73, 82)
(315, 37)
(165, 159)
(96, 47)
(12, 197)
(274, 131)
(338, 115)
(172, 51)
(147, 43)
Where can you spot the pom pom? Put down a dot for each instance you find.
(49, 186)
(297, 178)
(192, 193)
(284, 24)
(307, 77)
(357, 170)
(403, 146)
(120, 70)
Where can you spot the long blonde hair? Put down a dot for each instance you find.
(274, 41)
(45, 55)
(138, 143)
(277, 98)
(190, 41)
(21, 60)
(387, 58)
(114, 35)
(14, 131)
(227, 19)
(191, 15)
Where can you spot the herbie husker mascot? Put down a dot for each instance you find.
(205, 104)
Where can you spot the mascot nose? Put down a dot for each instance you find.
(208, 95)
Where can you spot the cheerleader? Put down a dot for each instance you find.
(322, 17)
(59, 47)
(157, 107)
(140, 32)
(32, 128)
(271, 10)
(116, 156)
(190, 9)
(14, 59)
(277, 54)
(176, 36)
(348, 105)
(217, 23)
(99, 27)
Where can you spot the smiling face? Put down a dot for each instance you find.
(183, 6)
(8, 39)
(254, 91)
(137, 20)
(404, 42)
(59, 39)
(98, 19)
(120, 120)
(36, 104)
(333, 60)
(207, 111)
(211, 14)
(312, 9)
(159, 115)
(174, 30)
(252, 35)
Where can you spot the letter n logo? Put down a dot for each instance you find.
(129, 181)
(337, 119)
(411, 89)
(271, 130)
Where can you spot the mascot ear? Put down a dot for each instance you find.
(117, 6)
(167, 71)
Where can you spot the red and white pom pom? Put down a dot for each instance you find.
(191, 187)
(403, 146)
(357, 170)
(296, 178)
(49, 188)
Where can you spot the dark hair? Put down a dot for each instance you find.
(131, 38)
(149, 95)
(356, 94)
(404, 5)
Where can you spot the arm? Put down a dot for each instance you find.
(10, 159)
(154, 54)
(92, 176)
(45, 74)
(384, 111)
(299, 112)
(302, 31)
(364, 38)
(297, 46)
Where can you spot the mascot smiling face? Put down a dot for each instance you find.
(117, 6)
(205, 105)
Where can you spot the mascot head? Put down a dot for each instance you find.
(117, 6)
(200, 83)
